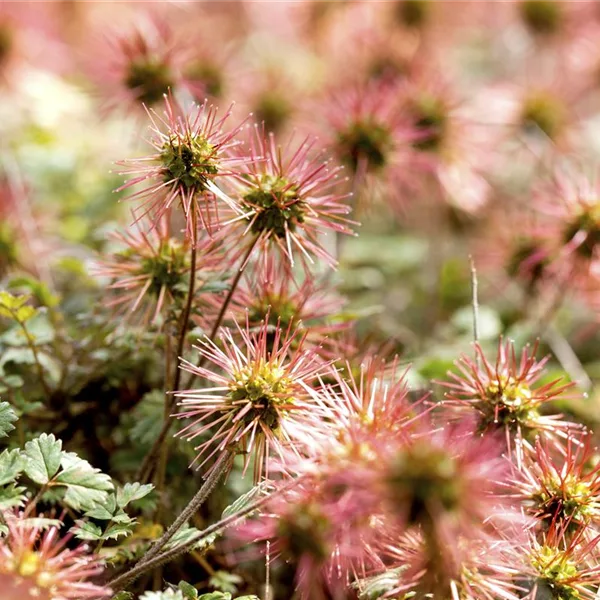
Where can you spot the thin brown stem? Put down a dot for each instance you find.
(123, 581)
(146, 468)
(35, 500)
(222, 465)
(36, 359)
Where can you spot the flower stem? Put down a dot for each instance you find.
(219, 469)
(147, 466)
(123, 581)
(145, 470)
(36, 359)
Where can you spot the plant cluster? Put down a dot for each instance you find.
(328, 329)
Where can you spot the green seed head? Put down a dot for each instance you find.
(189, 161)
(149, 79)
(542, 112)
(524, 250)
(304, 532)
(413, 13)
(555, 570)
(209, 75)
(432, 120)
(508, 402)
(168, 269)
(267, 387)
(362, 141)
(276, 206)
(428, 476)
(567, 500)
(273, 109)
(6, 42)
(542, 16)
(587, 221)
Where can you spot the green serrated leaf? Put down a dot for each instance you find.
(86, 486)
(188, 590)
(186, 534)
(12, 496)
(14, 307)
(170, 594)
(19, 356)
(85, 530)
(38, 289)
(216, 596)
(12, 464)
(225, 581)
(131, 492)
(104, 511)
(117, 530)
(244, 501)
(43, 458)
(7, 418)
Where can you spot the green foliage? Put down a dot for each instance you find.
(377, 586)
(12, 463)
(7, 418)
(43, 458)
(119, 523)
(185, 591)
(16, 307)
(225, 581)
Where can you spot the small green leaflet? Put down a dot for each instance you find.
(7, 418)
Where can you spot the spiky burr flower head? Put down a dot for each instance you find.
(504, 394)
(193, 150)
(324, 530)
(562, 565)
(260, 403)
(287, 199)
(573, 204)
(561, 489)
(372, 137)
(481, 569)
(35, 562)
(151, 271)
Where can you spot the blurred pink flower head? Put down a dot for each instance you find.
(138, 67)
(35, 562)
(268, 292)
(322, 527)
(151, 271)
(372, 138)
(445, 482)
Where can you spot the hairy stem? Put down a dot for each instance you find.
(147, 466)
(220, 468)
(123, 581)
